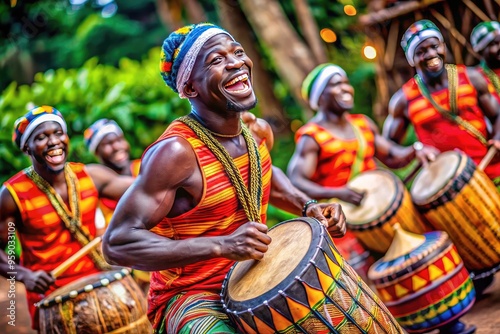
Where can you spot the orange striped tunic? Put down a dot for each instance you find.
(434, 129)
(108, 205)
(337, 155)
(218, 213)
(45, 240)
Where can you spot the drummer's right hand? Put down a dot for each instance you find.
(350, 196)
(37, 281)
(249, 241)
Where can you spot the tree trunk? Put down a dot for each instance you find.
(233, 19)
(195, 11)
(293, 59)
(170, 13)
(310, 31)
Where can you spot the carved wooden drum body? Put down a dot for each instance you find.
(456, 197)
(106, 302)
(386, 202)
(303, 285)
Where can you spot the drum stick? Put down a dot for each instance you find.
(75, 257)
(412, 173)
(487, 158)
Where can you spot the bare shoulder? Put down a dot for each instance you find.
(259, 127)
(398, 104)
(477, 79)
(8, 207)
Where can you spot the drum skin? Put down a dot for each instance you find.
(302, 285)
(386, 202)
(426, 288)
(106, 302)
(456, 197)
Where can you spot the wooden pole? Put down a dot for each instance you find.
(75, 257)
(487, 158)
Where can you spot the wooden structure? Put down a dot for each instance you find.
(387, 20)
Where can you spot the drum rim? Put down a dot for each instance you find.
(253, 303)
(104, 279)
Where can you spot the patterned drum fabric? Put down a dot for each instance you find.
(386, 202)
(302, 285)
(106, 302)
(427, 287)
(456, 197)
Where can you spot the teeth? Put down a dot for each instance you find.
(55, 152)
(238, 78)
(433, 62)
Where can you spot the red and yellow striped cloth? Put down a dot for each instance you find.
(434, 129)
(45, 240)
(337, 155)
(218, 213)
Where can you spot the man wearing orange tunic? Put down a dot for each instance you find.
(51, 205)
(105, 139)
(485, 40)
(199, 202)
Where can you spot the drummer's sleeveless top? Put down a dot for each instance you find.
(336, 155)
(45, 240)
(218, 213)
(434, 129)
(108, 205)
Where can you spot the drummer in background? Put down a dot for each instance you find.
(43, 201)
(424, 101)
(336, 145)
(485, 40)
(105, 139)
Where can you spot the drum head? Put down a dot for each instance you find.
(433, 178)
(380, 189)
(289, 247)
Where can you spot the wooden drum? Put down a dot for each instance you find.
(386, 202)
(302, 285)
(458, 198)
(106, 302)
(423, 282)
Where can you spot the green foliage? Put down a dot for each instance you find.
(133, 94)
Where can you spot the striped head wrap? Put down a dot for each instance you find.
(483, 34)
(97, 131)
(25, 125)
(315, 82)
(179, 52)
(416, 34)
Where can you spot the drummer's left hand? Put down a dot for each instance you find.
(330, 215)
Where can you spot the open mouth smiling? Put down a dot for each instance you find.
(239, 84)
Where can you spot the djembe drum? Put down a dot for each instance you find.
(386, 202)
(423, 282)
(302, 285)
(460, 199)
(106, 302)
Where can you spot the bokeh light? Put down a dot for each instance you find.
(328, 35)
(350, 10)
(369, 52)
(295, 125)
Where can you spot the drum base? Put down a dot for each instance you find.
(482, 283)
(457, 327)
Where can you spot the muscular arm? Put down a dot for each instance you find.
(109, 183)
(397, 121)
(390, 153)
(167, 167)
(10, 221)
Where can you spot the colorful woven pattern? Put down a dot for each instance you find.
(24, 126)
(98, 130)
(218, 213)
(337, 155)
(427, 287)
(483, 34)
(315, 82)
(416, 34)
(323, 294)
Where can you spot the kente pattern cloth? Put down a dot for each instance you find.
(45, 240)
(199, 313)
(95, 133)
(336, 155)
(108, 205)
(435, 130)
(218, 213)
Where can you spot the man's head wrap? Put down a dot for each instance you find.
(483, 34)
(25, 125)
(97, 131)
(179, 52)
(416, 34)
(315, 82)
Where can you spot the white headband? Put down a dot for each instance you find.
(188, 62)
(104, 131)
(320, 83)
(36, 122)
(488, 37)
(416, 40)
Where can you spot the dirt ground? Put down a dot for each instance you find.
(485, 313)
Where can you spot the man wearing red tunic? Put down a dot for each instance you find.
(45, 200)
